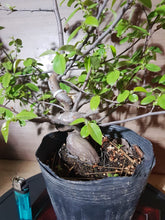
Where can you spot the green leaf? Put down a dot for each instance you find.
(64, 87)
(133, 98)
(155, 49)
(121, 27)
(95, 132)
(59, 64)
(45, 96)
(93, 6)
(123, 3)
(112, 77)
(5, 130)
(162, 79)
(71, 15)
(87, 3)
(125, 39)
(113, 50)
(8, 114)
(112, 4)
(161, 101)
(1, 27)
(87, 64)
(18, 42)
(78, 121)
(160, 10)
(73, 34)
(48, 52)
(146, 3)
(6, 80)
(2, 110)
(82, 78)
(28, 62)
(69, 48)
(95, 62)
(25, 115)
(70, 2)
(7, 65)
(32, 87)
(144, 31)
(140, 89)
(147, 100)
(123, 96)
(2, 99)
(16, 63)
(94, 102)
(152, 67)
(92, 21)
(22, 123)
(84, 131)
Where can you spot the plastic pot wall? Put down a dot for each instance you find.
(112, 198)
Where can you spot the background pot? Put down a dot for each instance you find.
(110, 198)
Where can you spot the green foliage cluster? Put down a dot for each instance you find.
(19, 81)
(109, 77)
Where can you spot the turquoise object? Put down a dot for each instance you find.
(21, 191)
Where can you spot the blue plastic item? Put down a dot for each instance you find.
(21, 191)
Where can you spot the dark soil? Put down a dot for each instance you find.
(117, 158)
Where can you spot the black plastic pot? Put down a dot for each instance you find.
(112, 198)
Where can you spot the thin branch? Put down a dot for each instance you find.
(7, 55)
(9, 108)
(86, 39)
(133, 118)
(53, 104)
(59, 23)
(93, 28)
(73, 86)
(109, 30)
(81, 93)
(124, 51)
(102, 8)
(27, 10)
(53, 121)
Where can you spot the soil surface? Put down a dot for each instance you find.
(117, 158)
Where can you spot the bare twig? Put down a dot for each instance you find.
(109, 30)
(7, 55)
(73, 86)
(133, 118)
(28, 10)
(124, 51)
(53, 104)
(81, 93)
(59, 24)
(102, 8)
(86, 39)
(9, 108)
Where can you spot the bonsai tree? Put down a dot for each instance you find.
(107, 63)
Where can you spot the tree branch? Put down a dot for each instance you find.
(109, 30)
(133, 118)
(59, 24)
(102, 8)
(86, 39)
(9, 108)
(53, 104)
(27, 10)
(81, 93)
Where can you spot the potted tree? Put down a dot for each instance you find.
(89, 81)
